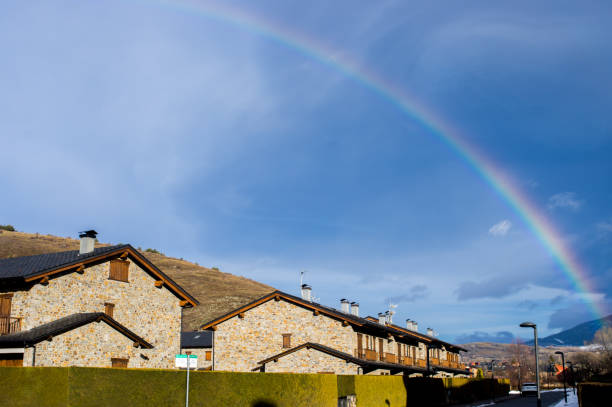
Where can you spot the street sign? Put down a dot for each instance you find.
(181, 361)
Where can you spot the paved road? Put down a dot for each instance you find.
(549, 398)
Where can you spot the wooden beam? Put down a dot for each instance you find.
(135, 344)
(44, 280)
(277, 298)
(80, 269)
(241, 315)
(50, 339)
(124, 255)
(345, 323)
(159, 283)
(183, 303)
(214, 327)
(316, 312)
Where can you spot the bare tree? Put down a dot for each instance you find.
(521, 362)
(603, 338)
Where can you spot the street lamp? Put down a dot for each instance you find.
(535, 339)
(563, 371)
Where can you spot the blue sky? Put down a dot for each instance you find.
(160, 126)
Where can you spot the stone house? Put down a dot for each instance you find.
(102, 307)
(198, 343)
(280, 332)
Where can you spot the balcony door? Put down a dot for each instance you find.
(5, 304)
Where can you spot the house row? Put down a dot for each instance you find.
(112, 307)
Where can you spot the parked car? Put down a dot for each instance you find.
(529, 388)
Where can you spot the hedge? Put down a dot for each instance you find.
(591, 394)
(98, 387)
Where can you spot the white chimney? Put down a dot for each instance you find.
(430, 332)
(88, 239)
(306, 292)
(355, 308)
(409, 325)
(389, 317)
(415, 326)
(382, 318)
(345, 306)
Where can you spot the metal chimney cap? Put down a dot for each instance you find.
(88, 233)
(354, 303)
(344, 300)
(306, 287)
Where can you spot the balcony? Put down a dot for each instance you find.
(371, 354)
(406, 361)
(421, 363)
(9, 325)
(390, 358)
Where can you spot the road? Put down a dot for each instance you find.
(549, 398)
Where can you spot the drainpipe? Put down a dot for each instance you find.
(213, 351)
(427, 351)
(33, 355)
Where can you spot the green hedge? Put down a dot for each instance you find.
(99, 387)
(96, 387)
(592, 394)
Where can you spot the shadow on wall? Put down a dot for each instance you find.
(264, 403)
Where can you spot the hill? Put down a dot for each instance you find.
(577, 336)
(487, 351)
(217, 292)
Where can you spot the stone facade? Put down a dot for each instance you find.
(311, 361)
(243, 340)
(151, 313)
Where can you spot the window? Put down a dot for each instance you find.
(119, 362)
(208, 355)
(119, 270)
(286, 340)
(5, 304)
(109, 308)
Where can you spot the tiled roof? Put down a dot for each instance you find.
(63, 325)
(197, 339)
(27, 266)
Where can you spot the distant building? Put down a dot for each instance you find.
(280, 332)
(200, 344)
(103, 307)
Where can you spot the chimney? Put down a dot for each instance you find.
(430, 332)
(409, 325)
(381, 318)
(306, 292)
(345, 306)
(355, 308)
(415, 326)
(88, 238)
(388, 317)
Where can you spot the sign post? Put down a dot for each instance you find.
(188, 361)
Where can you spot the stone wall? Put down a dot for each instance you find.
(93, 344)
(242, 342)
(150, 312)
(311, 361)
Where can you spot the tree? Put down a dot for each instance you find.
(521, 362)
(603, 338)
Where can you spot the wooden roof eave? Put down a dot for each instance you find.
(119, 252)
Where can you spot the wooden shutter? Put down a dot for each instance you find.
(5, 305)
(119, 362)
(119, 270)
(359, 345)
(399, 351)
(286, 340)
(109, 308)
(381, 348)
(208, 355)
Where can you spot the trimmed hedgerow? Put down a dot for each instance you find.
(33, 386)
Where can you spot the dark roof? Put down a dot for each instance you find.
(63, 325)
(22, 269)
(356, 320)
(27, 266)
(196, 339)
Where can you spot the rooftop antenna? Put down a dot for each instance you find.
(391, 311)
(302, 277)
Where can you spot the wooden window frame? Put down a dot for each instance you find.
(109, 306)
(9, 299)
(119, 270)
(286, 341)
(115, 362)
(208, 355)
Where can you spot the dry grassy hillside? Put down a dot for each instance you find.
(217, 292)
(486, 351)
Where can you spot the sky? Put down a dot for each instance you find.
(180, 126)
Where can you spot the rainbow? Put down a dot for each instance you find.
(534, 218)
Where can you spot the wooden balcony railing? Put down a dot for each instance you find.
(390, 358)
(371, 354)
(434, 361)
(421, 363)
(9, 325)
(406, 361)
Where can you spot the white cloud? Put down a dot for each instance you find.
(564, 200)
(605, 226)
(501, 228)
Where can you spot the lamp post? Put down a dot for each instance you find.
(493, 379)
(563, 371)
(535, 339)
